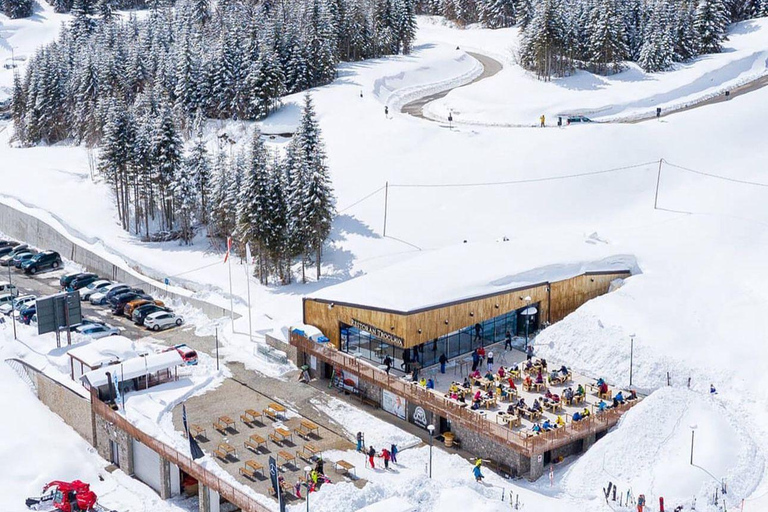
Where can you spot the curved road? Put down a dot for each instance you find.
(490, 68)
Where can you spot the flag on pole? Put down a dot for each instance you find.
(229, 248)
(275, 483)
(194, 448)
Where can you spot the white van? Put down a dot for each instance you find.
(6, 298)
(8, 288)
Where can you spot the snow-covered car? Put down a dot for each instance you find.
(20, 302)
(162, 320)
(578, 119)
(97, 331)
(94, 287)
(188, 354)
(100, 297)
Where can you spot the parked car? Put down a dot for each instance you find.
(8, 243)
(129, 307)
(578, 119)
(7, 249)
(117, 291)
(10, 306)
(118, 302)
(98, 298)
(141, 312)
(6, 298)
(7, 258)
(187, 353)
(85, 321)
(26, 313)
(8, 288)
(82, 280)
(21, 258)
(66, 279)
(42, 261)
(94, 287)
(97, 331)
(162, 320)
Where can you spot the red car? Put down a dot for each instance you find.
(187, 354)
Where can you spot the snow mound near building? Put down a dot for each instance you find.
(649, 452)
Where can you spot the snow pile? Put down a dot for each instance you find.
(656, 460)
(378, 433)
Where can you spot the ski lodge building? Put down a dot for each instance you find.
(442, 303)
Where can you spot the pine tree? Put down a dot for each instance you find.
(218, 221)
(543, 46)
(15, 9)
(253, 209)
(607, 41)
(497, 13)
(199, 169)
(115, 156)
(524, 13)
(167, 158)
(711, 23)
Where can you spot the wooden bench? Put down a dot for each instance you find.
(269, 413)
(221, 454)
(308, 451)
(254, 442)
(286, 456)
(221, 427)
(252, 416)
(197, 431)
(302, 432)
(250, 468)
(345, 466)
(275, 438)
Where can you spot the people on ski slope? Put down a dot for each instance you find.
(477, 472)
(371, 455)
(393, 453)
(385, 454)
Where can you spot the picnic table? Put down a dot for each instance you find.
(552, 406)
(345, 466)
(308, 451)
(305, 428)
(254, 442)
(284, 433)
(223, 423)
(197, 431)
(250, 468)
(251, 416)
(484, 383)
(224, 450)
(274, 410)
(488, 402)
(287, 457)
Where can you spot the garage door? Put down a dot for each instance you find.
(146, 465)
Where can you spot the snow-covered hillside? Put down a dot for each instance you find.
(697, 307)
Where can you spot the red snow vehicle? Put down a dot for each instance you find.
(73, 496)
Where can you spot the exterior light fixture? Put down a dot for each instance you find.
(471, 313)
(446, 322)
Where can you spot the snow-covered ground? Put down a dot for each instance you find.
(697, 308)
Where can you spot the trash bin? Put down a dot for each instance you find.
(448, 436)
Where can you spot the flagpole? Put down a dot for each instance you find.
(231, 301)
(248, 282)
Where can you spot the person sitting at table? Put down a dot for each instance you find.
(536, 428)
(620, 397)
(521, 404)
(489, 375)
(475, 406)
(632, 395)
(430, 383)
(547, 426)
(461, 398)
(539, 378)
(454, 396)
(576, 416)
(564, 370)
(511, 408)
(560, 422)
(581, 391)
(551, 396)
(528, 364)
(543, 363)
(536, 405)
(501, 372)
(466, 383)
(600, 382)
(423, 382)
(615, 402)
(475, 375)
(601, 406)
(568, 394)
(603, 388)
(585, 413)
(511, 383)
(528, 382)
(553, 375)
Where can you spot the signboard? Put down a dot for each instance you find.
(57, 311)
(419, 417)
(394, 404)
(379, 333)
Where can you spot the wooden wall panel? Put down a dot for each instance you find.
(556, 300)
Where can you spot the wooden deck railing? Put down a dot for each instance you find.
(522, 442)
(225, 489)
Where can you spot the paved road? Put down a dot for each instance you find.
(490, 68)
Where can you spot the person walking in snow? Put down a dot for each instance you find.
(490, 360)
(385, 454)
(359, 441)
(442, 361)
(393, 453)
(543, 120)
(712, 390)
(371, 455)
(477, 472)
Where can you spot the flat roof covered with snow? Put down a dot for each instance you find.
(136, 367)
(106, 350)
(469, 271)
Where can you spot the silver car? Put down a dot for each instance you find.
(94, 287)
(97, 331)
(19, 303)
(162, 320)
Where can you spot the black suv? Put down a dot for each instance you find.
(82, 280)
(119, 301)
(41, 261)
(141, 312)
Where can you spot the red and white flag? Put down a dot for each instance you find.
(229, 248)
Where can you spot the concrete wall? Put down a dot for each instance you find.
(504, 456)
(290, 350)
(106, 431)
(34, 231)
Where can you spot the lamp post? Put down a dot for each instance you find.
(307, 471)
(431, 429)
(13, 302)
(450, 120)
(527, 300)
(693, 434)
(631, 356)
